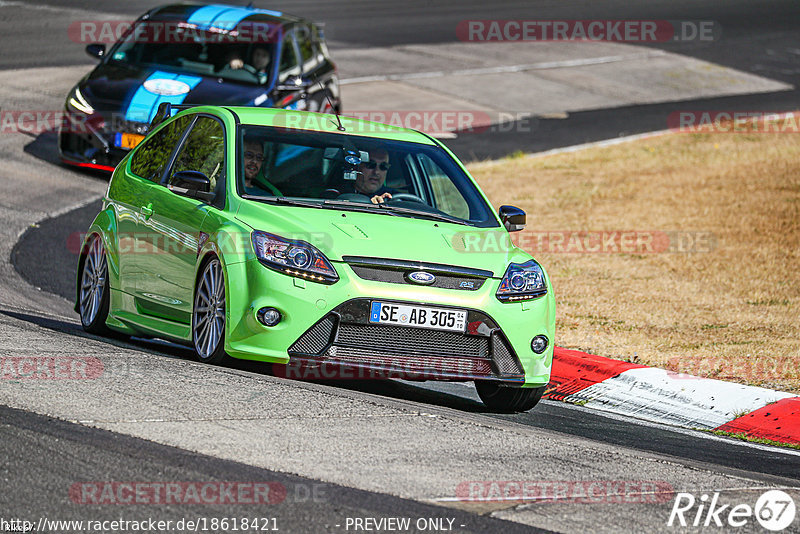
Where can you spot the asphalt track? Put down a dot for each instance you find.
(41, 470)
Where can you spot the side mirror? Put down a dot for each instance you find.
(513, 218)
(96, 50)
(192, 184)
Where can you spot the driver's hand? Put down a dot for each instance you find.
(236, 63)
(380, 199)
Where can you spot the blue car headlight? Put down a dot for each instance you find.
(295, 258)
(522, 281)
(77, 102)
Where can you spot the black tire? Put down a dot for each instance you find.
(209, 350)
(508, 399)
(93, 293)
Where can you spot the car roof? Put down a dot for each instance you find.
(325, 122)
(220, 16)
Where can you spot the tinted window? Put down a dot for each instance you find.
(303, 36)
(348, 170)
(191, 50)
(289, 62)
(204, 151)
(151, 158)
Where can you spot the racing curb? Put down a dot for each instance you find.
(672, 398)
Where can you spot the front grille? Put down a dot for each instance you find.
(346, 336)
(388, 338)
(504, 357)
(392, 276)
(316, 338)
(427, 366)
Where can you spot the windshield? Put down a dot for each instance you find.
(347, 172)
(187, 48)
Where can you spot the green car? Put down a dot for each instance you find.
(317, 242)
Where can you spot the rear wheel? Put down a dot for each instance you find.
(93, 297)
(508, 399)
(208, 316)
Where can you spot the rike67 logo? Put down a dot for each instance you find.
(774, 510)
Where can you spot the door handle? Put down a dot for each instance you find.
(147, 211)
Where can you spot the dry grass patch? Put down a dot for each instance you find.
(732, 312)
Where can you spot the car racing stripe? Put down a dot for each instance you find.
(224, 17)
(144, 104)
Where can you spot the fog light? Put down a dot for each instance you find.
(539, 344)
(269, 316)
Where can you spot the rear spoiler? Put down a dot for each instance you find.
(165, 111)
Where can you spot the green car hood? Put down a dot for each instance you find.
(340, 233)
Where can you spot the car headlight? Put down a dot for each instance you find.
(295, 258)
(522, 281)
(79, 103)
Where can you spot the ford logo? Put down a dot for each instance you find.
(421, 277)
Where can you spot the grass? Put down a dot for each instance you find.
(763, 441)
(720, 297)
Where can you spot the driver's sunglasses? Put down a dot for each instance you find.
(384, 166)
(253, 155)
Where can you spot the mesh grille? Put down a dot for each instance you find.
(395, 339)
(392, 276)
(430, 366)
(505, 360)
(315, 338)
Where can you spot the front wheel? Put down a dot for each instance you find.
(208, 316)
(93, 298)
(508, 399)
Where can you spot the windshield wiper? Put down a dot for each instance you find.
(283, 200)
(426, 214)
(358, 206)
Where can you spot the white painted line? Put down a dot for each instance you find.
(600, 144)
(677, 399)
(503, 68)
(697, 434)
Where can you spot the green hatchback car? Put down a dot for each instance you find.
(317, 242)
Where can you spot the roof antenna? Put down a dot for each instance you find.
(325, 90)
(250, 6)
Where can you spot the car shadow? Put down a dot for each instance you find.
(390, 388)
(44, 147)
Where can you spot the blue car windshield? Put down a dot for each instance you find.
(185, 48)
(330, 168)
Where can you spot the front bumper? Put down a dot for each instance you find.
(92, 141)
(329, 324)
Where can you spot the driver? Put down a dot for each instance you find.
(372, 177)
(260, 59)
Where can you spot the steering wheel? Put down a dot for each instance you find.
(249, 68)
(408, 197)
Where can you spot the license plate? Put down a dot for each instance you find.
(128, 140)
(418, 316)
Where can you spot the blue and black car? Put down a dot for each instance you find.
(194, 54)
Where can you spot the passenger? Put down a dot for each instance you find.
(253, 161)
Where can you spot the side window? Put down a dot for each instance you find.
(151, 158)
(289, 62)
(204, 151)
(307, 52)
(445, 193)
